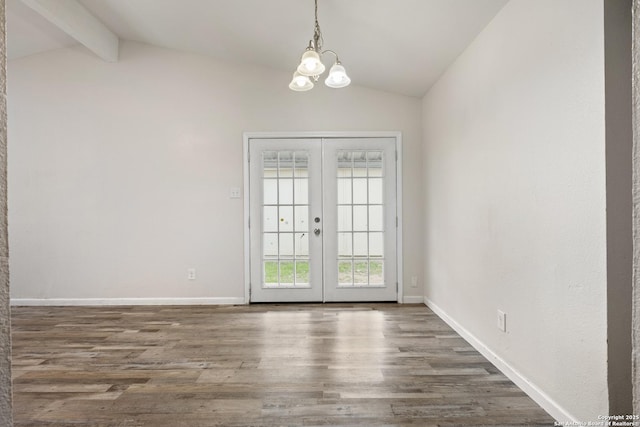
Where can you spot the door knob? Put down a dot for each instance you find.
(316, 231)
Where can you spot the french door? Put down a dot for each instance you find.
(322, 219)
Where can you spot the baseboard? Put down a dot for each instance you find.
(124, 301)
(412, 299)
(533, 391)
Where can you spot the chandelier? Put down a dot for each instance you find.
(311, 67)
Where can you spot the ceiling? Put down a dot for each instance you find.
(399, 46)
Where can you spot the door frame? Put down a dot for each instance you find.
(247, 136)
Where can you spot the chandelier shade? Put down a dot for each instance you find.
(311, 66)
(300, 83)
(337, 77)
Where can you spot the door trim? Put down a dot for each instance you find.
(247, 136)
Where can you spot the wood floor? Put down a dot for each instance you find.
(258, 365)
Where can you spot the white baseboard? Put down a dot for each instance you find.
(412, 299)
(124, 301)
(533, 391)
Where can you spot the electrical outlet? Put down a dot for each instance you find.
(502, 321)
(191, 273)
(414, 281)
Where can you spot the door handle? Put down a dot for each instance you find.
(316, 231)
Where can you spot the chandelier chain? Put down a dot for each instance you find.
(317, 33)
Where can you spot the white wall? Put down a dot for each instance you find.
(514, 143)
(120, 172)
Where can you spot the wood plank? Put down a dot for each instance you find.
(258, 365)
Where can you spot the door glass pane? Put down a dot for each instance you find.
(344, 164)
(302, 245)
(286, 245)
(286, 273)
(270, 164)
(344, 218)
(285, 191)
(285, 218)
(360, 244)
(359, 163)
(360, 272)
(376, 245)
(376, 272)
(270, 245)
(270, 218)
(360, 218)
(345, 275)
(270, 273)
(344, 191)
(375, 218)
(285, 164)
(302, 218)
(344, 244)
(360, 191)
(301, 195)
(270, 191)
(302, 273)
(374, 163)
(375, 191)
(301, 164)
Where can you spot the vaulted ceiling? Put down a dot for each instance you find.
(400, 46)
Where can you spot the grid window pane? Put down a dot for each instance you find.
(361, 272)
(360, 218)
(302, 244)
(360, 191)
(270, 191)
(376, 245)
(301, 218)
(344, 192)
(360, 244)
(345, 273)
(374, 163)
(285, 189)
(270, 163)
(270, 241)
(286, 272)
(270, 218)
(302, 273)
(286, 218)
(270, 273)
(376, 272)
(285, 164)
(375, 191)
(345, 244)
(286, 245)
(344, 218)
(376, 218)
(301, 187)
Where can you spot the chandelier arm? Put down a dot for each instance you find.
(334, 53)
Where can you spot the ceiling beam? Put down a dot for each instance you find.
(75, 20)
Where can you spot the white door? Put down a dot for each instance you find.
(322, 219)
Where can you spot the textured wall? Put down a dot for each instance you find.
(515, 202)
(5, 326)
(636, 207)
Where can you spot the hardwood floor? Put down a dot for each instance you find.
(258, 365)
